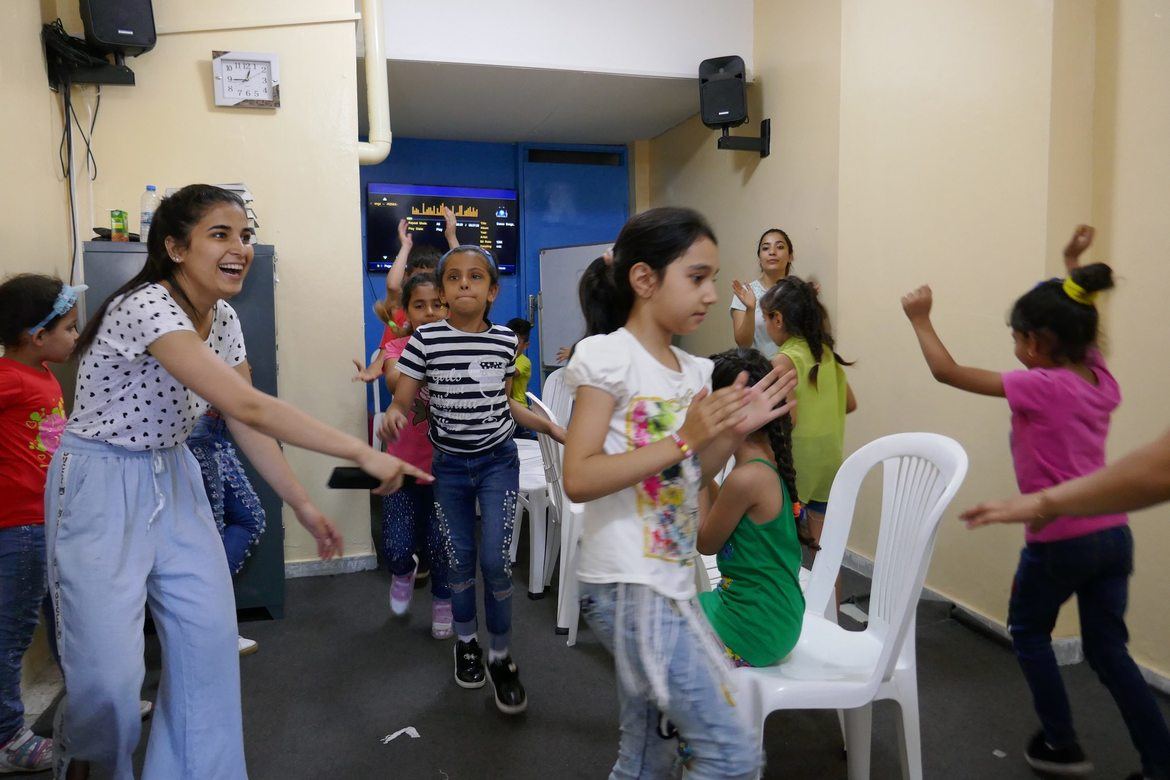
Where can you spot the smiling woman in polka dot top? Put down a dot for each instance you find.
(127, 517)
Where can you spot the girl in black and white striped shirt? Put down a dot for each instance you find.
(467, 363)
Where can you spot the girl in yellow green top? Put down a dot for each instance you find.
(799, 324)
(750, 525)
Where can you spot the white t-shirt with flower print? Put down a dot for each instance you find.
(644, 534)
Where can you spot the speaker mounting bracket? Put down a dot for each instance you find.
(740, 143)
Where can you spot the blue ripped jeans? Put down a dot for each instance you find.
(237, 510)
(493, 479)
(720, 741)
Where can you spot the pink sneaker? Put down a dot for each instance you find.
(441, 619)
(401, 589)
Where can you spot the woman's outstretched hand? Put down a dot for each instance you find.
(1028, 508)
(390, 471)
(328, 538)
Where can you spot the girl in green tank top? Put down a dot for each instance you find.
(749, 523)
(799, 324)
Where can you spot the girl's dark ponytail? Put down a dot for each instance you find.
(1067, 321)
(657, 238)
(805, 317)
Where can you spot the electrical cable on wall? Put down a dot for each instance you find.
(65, 54)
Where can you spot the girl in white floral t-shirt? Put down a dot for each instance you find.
(646, 433)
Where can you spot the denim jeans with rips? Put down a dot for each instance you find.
(719, 739)
(492, 479)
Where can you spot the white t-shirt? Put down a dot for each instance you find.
(643, 534)
(761, 341)
(124, 396)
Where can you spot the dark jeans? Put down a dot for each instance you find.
(238, 513)
(409, 524)
(1096, 568)
(22, 593)
(493, 479)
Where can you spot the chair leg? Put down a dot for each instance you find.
(858, 725)
(537, 527)
(564, 583)
(909, 730)
(521, 503)
(552, 547)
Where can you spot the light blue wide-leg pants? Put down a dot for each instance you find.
(125, 529)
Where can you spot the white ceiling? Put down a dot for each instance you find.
(466, 102)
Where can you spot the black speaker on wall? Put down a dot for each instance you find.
(122, 27)
(722, 92)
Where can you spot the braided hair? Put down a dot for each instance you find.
(728, 366)
(804, 316)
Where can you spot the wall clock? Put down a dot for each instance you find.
(246, 79)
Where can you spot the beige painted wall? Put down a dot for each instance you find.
(797, 80)
(1132, 173)
(300, 161)
(955, 144)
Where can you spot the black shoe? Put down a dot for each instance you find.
(1056, 761)
(510, 696)
(468, 664)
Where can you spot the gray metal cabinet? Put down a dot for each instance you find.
(109, 265)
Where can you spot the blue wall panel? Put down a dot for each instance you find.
(560, 205)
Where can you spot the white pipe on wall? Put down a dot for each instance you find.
(374, 150)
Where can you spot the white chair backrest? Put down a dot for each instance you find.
(553, 454)
(556, 397)
(376, 384)
(921, 474)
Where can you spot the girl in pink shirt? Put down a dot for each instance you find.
(408, 516)
(1061, 404)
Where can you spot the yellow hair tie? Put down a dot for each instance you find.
(1078, 293)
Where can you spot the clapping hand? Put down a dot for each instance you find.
(763, 400)
(745, 293)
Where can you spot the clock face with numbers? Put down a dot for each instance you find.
(246, 79)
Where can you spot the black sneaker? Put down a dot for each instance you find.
(510, 696)
(468, 664)
(1056, 761)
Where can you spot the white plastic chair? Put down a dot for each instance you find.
(375, 439)
(533, 496)
(556, 397)
(831, 668)
(570, 520)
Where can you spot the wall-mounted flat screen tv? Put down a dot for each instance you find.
(488, 218)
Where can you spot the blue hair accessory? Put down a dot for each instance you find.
(66, 300)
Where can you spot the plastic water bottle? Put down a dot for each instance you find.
(146, 207)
